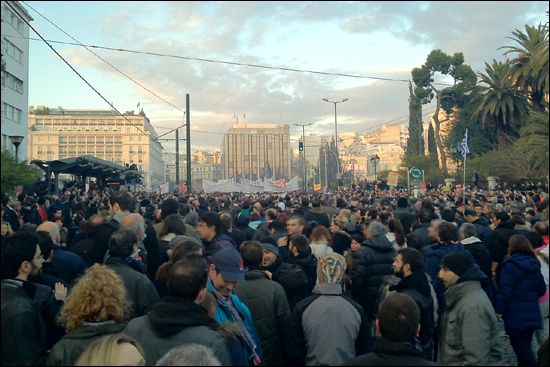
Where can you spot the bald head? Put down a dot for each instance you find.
(52, 229)
(135, 223)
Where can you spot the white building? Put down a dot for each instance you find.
(15, 75)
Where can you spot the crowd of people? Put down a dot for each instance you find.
(357, 276)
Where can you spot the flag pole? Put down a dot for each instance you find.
(465, 155)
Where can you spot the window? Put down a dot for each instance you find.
(140, 150)
(131, 159)
(119, 139)
(109, 139)
(91, 139)
(128, 129)
(13, 51)
(40, 139)
(139, 138)
(131, 138)
(11, 112)
(140, 159)
(40, 150)
(72, 139)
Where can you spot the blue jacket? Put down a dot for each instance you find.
(223, 313)
(432, 266)
(520, 308)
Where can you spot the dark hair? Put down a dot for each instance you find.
(123, 199)
(78, 219)
(187, 278)
(211, 218)
(425, 216)
(122, 243)
(182, 250)
(427, 204)
(396, 228)
(184, 209)
(305, 201)
(173, 224)
(519, 244)
(503, 216)
(471, 212)
(448, 215)
(373, 214)
(169, 207)
(254, 217)
(300, 242)
(252, 253)
(398, 317)
(45, 243)
(447, 231)
(341, 202)
(413, 257)
(16, 249)
(277, 225)
(309, 226)
(271, 214)
(226, 221)
(518, 219)
(316, 203)
(150, 208)
(91, 227)
(357, 237)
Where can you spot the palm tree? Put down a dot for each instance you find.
(500, 106)
(529, 69)
(534, 138)
(14, 173)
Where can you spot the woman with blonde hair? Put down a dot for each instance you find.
(113, 350)
(97, 306)
(6, 229)
(320, 241)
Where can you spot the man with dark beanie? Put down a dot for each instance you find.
(470, 333)
(406, 217)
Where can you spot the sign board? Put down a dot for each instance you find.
(422, 186)
(458, 187)
(393, 178)
(338, 176)
(446, 189)
(317, 187)
(416, 173)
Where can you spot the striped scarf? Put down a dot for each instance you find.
(249, 343)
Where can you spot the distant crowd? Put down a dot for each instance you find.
(365, 275)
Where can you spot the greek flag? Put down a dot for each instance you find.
(465, 145)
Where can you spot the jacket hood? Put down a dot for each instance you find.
(317, 210)
(525, 262)
(307, 262)
(379, 243)
(507, 225)
(484, 221)
(254, 224)
(174, 314)
(328, 289)
(417, 281)
(342, 233)
(470, 240)
(474, 273)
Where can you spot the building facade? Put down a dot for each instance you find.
(256, 151)
(15, 75)
(204, 165)
(57, 134)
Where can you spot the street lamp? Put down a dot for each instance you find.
(335, 120)
(455, 149)
(304, 153)
(375, 159)
(16, 140)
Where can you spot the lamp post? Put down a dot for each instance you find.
(454, 150)
(375, 159)
(16, 140)
(335, 119)
(304, 154)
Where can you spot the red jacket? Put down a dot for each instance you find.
(43, 213)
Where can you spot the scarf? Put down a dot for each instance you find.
(249, 343)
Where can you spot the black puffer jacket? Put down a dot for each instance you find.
(341, 242)
(406, 218)
(418, 288)
(308, 263)
(373, 261)
(292, 278)
(420, 238)
(499, 241)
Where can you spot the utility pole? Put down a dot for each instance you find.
(177, 158)
(304, 153)
(188, 128)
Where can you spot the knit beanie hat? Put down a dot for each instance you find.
(331, 268)
(458, 262)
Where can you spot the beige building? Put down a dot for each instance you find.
(204, 165)
(256, 151)
(58, 134)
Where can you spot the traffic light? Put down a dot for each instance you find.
(301, 146)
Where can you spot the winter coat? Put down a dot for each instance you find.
(30, 214)
(418, 288)
(175, 321)
(420, 238)
(390, 353)
(67, 265)
(291, 277)
(470, 333)
(191, 232)
(312, 340)
(483, 232)
(481, 255)
(340, 242)
(268, 305)
(308, 264)
(318, 215)
(141, 291)
(346, 279)
(499, 240)
(67, 351)
(406, 217)
(261, 231)
(320, 247)
(209, 249)
(373, 261)
(242, 219)
(223, 313)
(250, 231)
(331, 211)
(49, 308)
(23, 331)
(432, 266)
(11, 216)
(521, 285)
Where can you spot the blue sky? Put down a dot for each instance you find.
(378, 39)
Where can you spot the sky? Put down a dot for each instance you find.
(233, 59)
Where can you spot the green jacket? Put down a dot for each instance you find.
(69, 348)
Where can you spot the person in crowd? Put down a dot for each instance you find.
(29, 211)
(396, 234)
(47, 275)
(300, 255)
(172, 226)
(243, 218)
(123, 249)
(521, 284)
(66, 265)
(373, 261)
(277, 229)
(267, 302)
(419, 238)
(318, 214)
(226, 271)
(294, 225)
(542, 253)
(482, 227)
(113, 350)
(330, 207)
(82, 247)
(474, 245)
(24, 338)
(10, 214)
(63, 231)
(229, 230)
(340, 238)
(469, 328)
(399, 325)
(349, 255)
(252, 225)
(263, 228)
(404, 215)
(320, 241)
(6, 230)
(189, 355)
(209, 230)
(179, 319)
(182, 248)
(311, 340)
(90, 312)
(409, 268)
(500, 240)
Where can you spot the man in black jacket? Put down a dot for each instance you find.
(409, 266)
(500, 238)
(10, 215)
(420, 237)
(373, 260)
(483, 230)
(399, 325)
(402, 213)
(317, 214)
(301, 256)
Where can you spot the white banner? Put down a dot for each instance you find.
(292, 185)
(274, 186)
(249, 186)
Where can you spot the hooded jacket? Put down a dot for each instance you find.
(261, 231)
(406, 218)
(175, 321)
(520, 287)
(308, 264)
(470, 334)
(218, 243)
(341, 242)
(481, 255)
(418, 288)
(390, 353)
(291, 277)
(420, 238)
(318, 215)
(483, 232)
(499, 241)
(373, 260)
